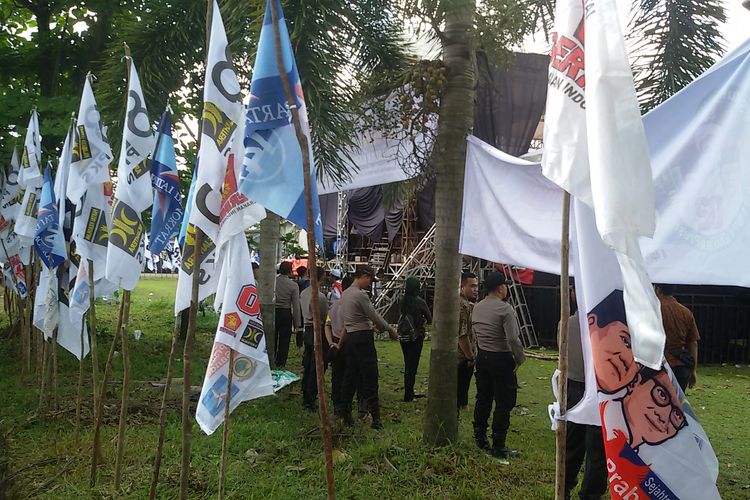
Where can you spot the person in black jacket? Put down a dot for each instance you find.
(411, 333)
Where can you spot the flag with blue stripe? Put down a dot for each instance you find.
(49, 241)
(272, 167)
(166, 214)
(188, 204)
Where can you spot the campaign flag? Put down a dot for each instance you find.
(133, 195)
(91, 151)
(46, 309)
(188, 204)
(31, 160)
(655, 445)
(222, 111)
(595, 147)
(166, 214)
(240, 329)
(49, 241)
(93, 216)
(70, 324)
(27, 216)
(11, 194)
(272, 165)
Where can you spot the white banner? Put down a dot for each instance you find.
(31, 160)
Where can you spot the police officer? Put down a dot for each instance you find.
(358, 341)
(309, 377)
(499, 354)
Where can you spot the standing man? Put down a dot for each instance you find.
(681, 347)
(288, 312)
(467, 348)
(358, 315)
(309, 372)
(581, 441)
(499, 355)
(336, 286)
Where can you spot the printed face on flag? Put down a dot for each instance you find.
(652, 409)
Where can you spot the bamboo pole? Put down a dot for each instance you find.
(187, 351)
(225, 433)
(53, 372)
(125, 388)
(43, 380)
(562, 381)
(96, 451)
(187, 422)
(163, 411)
(92, 336)
(78, 390)
(325, 424)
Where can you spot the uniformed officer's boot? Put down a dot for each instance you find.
(499, 450)
(480, 438)
(344, 412)
(374, 406)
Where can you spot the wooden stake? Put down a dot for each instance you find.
(562, 381)
(43, 381)
(187, 421)
(325, 424)
(125, 387)
(163, 411)
(92, 336)
(78, 390)
(225, 434)
(96, 451)
(53, 372)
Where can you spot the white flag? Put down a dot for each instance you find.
(133, 195)
(91, 151)
(240, 329)
(133, 172)
(31, 160)
(12, 194)
(595, 147)
(26, 221)
(222, 112)
(90, 227)
(46, 310)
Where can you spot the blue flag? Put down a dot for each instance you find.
(49, 241)
(272, 167)
(166, 213)
(188, 204)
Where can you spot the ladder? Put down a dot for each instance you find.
(523, 316)
(420, 263)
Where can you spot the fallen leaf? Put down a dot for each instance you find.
(294, 468)
(339, 456)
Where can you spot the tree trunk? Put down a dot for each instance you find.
(449, 155)
(270, 230)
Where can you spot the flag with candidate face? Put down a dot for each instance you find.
(49, 241)
(30, 175)
(166, 214)
(272, 167)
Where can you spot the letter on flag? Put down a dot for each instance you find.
(49, 241)
(166, 213)
(133, 195)
(272, 167)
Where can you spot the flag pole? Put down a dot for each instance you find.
(325, 424)
(225, 433)
(124, 339)
(187, 351)
(78, 391)
(562, 381)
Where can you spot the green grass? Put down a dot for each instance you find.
(275, 450)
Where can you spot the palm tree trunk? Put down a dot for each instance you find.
(449, 155)
(270, 230)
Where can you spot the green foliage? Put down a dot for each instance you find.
(674, 41)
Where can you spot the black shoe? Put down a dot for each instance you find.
(409, 398)
(482, 443)
(310, 407)
(377, 425)
(419, 396)
(504, 453)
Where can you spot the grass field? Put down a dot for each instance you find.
(275, 449)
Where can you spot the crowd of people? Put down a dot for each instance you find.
(489, 350)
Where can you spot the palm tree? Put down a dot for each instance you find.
(673, 41)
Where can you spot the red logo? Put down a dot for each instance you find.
(232, 321)
(247, 300)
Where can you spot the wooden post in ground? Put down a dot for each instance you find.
(163, 410)
(562, 381)
(92, 337)
(187, 353)
(96, 452)
(225, 433)
(78, 389)
(43, 380)
(325, 424)
(53, 374)
(125, 388)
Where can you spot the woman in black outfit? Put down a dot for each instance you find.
(411, 332)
